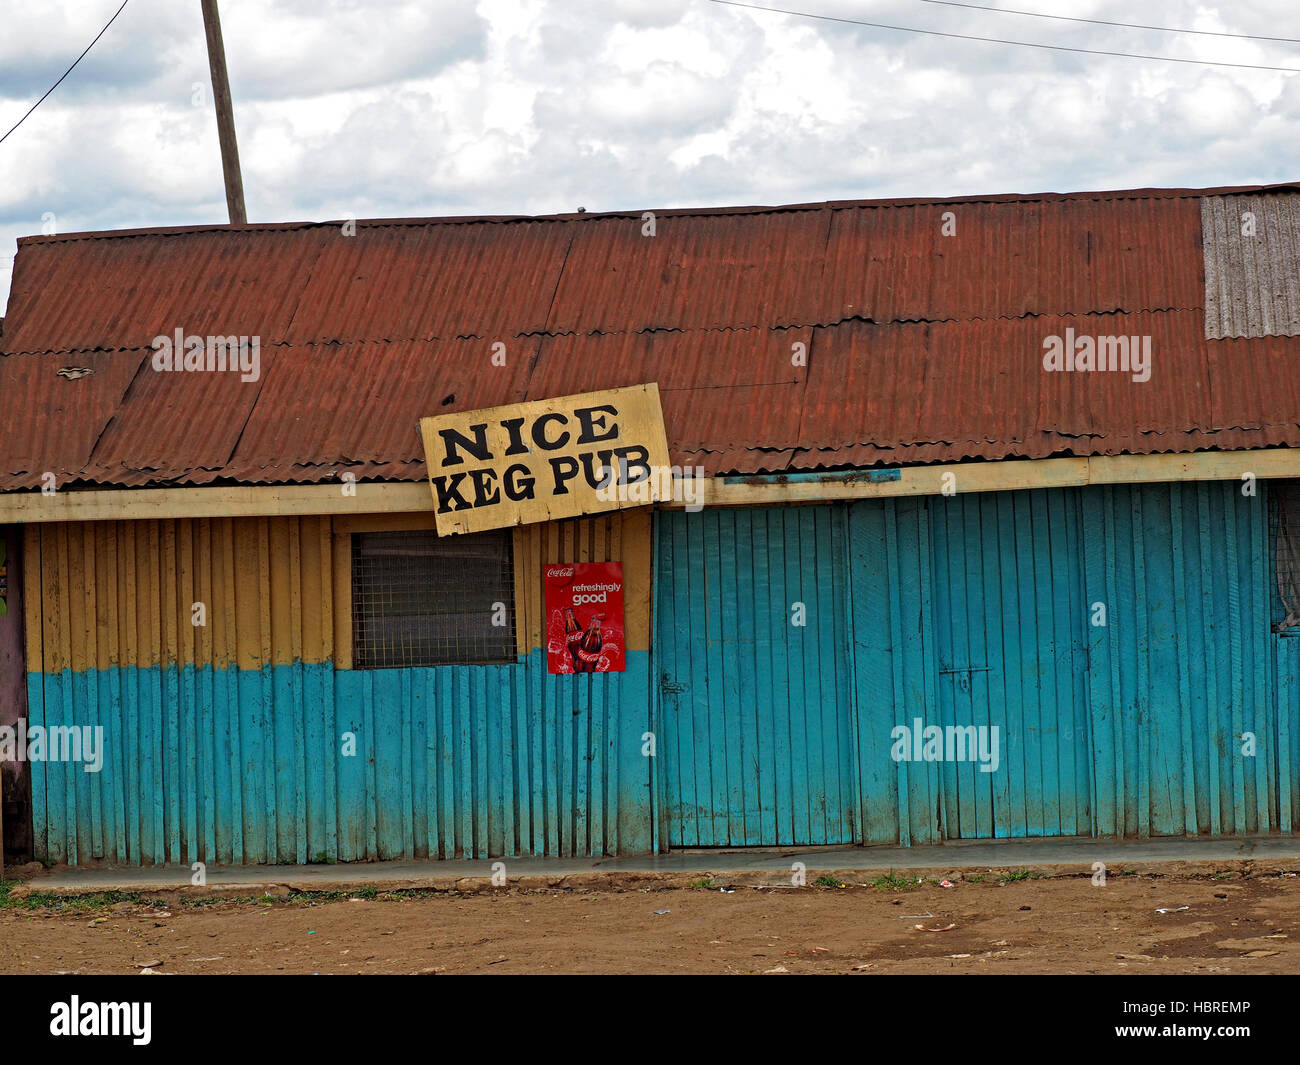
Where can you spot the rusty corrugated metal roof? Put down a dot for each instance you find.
(923, 323)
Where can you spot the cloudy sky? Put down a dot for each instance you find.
(395, 108)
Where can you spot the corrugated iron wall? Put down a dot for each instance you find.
(1119, 638)
(752, 656)
(967, 612)
(1186, 664)
(1008, 626)
(1128, 728)
(123, 593)
(225, 741)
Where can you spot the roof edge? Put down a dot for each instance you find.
(1000, 476)
(669, 212)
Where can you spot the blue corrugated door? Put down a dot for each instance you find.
(1117, 638)
(755, 737)
(1009, 626)
(969, 614)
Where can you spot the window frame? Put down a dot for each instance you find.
(344, 622)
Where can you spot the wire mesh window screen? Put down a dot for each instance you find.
(423, 600)
(1284, 533)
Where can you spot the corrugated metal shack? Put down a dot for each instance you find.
(1102, 569)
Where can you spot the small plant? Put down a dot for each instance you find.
(702, 885)
(218, 900)
(1014, 875)
(976, 878)
(311, 898)
(826, 880)
(97, 900)
(892, 881)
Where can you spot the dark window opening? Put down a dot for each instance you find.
(419, 599)
(1284, 535)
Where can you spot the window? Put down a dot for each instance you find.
(423, 600)
(1284, 530)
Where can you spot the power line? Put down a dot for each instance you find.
(1103, 22)
(66, 72)
(1000, 40)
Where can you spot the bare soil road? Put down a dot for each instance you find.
(1231, 924)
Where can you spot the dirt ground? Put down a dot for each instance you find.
(1231, 924)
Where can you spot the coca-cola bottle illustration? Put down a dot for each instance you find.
(589, 648)
(572, 636)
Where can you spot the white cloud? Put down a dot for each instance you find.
(413, 107)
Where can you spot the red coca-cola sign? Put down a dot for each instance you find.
(584, 617)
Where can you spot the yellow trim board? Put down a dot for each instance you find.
(1005, 476)
(238, 501)
(413, 497)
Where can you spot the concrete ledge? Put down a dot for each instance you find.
(1239, 856)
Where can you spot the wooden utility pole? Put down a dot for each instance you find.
(225, 114)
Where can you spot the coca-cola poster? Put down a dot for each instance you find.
(584, 617)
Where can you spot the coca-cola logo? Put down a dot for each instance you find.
(560, 571)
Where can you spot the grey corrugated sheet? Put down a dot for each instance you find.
(1252, 283)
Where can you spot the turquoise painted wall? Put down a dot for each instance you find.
(245, 766)
(976, 610)
(973, 609)
(752, 652)
(1187, 664)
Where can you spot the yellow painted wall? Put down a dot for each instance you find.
(617, 537)
(121, 593)
(277, 590)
